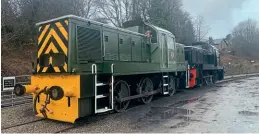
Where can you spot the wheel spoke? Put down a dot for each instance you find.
(146, 86)
(171, 86)
(124, 91)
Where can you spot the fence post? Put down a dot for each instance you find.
(12, 98)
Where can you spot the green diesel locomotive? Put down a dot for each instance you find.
(86, 67)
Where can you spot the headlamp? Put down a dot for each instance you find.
(56, 93)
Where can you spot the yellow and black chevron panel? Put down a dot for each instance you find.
(53, 46)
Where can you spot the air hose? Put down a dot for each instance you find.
(47, 101)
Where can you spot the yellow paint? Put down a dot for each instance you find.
(44, 44)
(31, 89)
(59, 110)
(43, 33)
(51, 47)
(38, 67)
(44, 69)
(65, 67)
(60, 42)
(50, 60)
(56, 69)
(66, 22)
(62, 30)
(52, 34)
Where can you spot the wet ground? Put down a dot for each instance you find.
(228, 107)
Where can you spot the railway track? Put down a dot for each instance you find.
(17, 101)
(22, 124)
(177, 104)
(96, 118)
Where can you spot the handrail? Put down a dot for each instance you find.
(94, 70)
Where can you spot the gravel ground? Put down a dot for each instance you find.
(227, 107)
(43, 126)
(16, 115)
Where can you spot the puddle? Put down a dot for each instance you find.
(238, 81)
(202, 100)
(186, 118)
(164, 113)
(248, 113)
(214, 90)
(181, 124)
(184, 102)
(220, 86)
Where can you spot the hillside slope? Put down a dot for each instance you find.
(238, 65)
(18, 62)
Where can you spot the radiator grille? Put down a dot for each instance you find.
(89, 44)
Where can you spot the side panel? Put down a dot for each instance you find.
(136, 48)
(89, 44)
(110, 44)
(125, 47)
(145, 52)
(164, 51)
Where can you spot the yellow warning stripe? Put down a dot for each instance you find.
(43, 33)
(51, 47)
(62, 30)
(38, 67)
(44, 69)
(66, 22)
(50, 60)
(44, 43)
(60, 42)
(65, 67)
(56, 69)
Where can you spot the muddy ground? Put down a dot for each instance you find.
(227, 107)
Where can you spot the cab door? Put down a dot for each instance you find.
(172, 54)
(164, 51)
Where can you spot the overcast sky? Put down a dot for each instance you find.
(223, 15)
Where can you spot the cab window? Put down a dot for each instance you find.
(171, 42)
(58, 59)
(44, 60)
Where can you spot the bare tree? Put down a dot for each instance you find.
(140, 9)
(246, 38)
(201, 29)
(84, 8)
(116, 11)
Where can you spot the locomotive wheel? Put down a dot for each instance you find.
(146, 85)
(171, 85)
(121, 90)
(214, 79)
